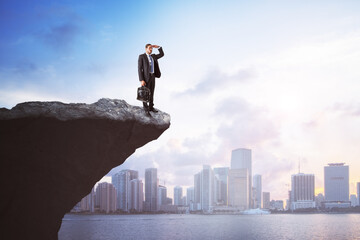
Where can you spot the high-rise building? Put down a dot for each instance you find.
(88, 202)
(151, 187)
(121, 182)
(266, 200)
(107, 197)
(207, 188)
(136, 193)
(178, 194)
(238, 195)
(240, 159)
(197, 191)
(358, 192)
(336, 177)
(222, 174)
(302, 191)
(353, 200)
(162, 195)
(257, 184)
(190, 197)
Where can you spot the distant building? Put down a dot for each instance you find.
(88, 202)
(190, 197)
(266, 200)
(136, 193)
(353, 200)
(277, 205)
(241, 159)
(302, 191)
(151, 188)
(319, 199)
(121, 182)
(107, 197)
(222, 174)
(204, 189)
(162, 195)
(238, 188)
(336, 182)
(197, 191)
(257, 187)
(358, 192)
(178, 196)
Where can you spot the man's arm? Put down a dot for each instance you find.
(141, 71)
(161, 52)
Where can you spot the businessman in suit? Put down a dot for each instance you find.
(148, 68)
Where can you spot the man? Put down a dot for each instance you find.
(148, 68)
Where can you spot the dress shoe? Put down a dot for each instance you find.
(153, 110)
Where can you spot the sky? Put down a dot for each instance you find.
(278, 77)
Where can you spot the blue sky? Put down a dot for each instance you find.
(279, 77)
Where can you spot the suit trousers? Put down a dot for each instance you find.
(150, 85)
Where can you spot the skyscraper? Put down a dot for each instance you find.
(358, 192)
(336, 182)
(162, 195)
(266, 200)
(241, 159)
(136, 193)
(222, 174)
(302, 191)
(190, 197)
(197, 191)
(178, 194)
(257, 184)
(121, 182)
(238, 188)
(207, 188)
(151, 188)
(107, 197)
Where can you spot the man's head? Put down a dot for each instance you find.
(148, 48)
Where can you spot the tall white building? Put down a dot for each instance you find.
(197, 191)
(121, 182)
(107, 197)
(358, 192)
(151, 188)
(302, 191)
(336, 176)
(241, 159)
(178, 194)
(238, 195)
(136, 195)
(257, 185)
(162, 195)
(190, 197)
(222, 174)
(353, 200)
(266, 200)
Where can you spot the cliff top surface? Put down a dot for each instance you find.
(105, 108)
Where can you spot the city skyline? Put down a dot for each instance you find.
(280, 77)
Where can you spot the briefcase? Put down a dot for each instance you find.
(143, 94)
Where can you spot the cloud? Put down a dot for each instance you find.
(61, 37)
(216, 79)
(347, 109)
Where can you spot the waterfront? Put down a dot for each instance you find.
(193, 226)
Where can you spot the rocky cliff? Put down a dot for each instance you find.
(52, 154)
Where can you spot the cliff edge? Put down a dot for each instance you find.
(52, 154)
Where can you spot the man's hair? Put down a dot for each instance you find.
(147, 45)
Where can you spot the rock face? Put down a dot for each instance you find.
(52, 154)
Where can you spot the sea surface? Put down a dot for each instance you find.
(203, 227)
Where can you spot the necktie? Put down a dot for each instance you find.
(151, 64)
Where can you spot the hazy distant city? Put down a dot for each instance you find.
(220, 190)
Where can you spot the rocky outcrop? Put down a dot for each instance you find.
(52, 154)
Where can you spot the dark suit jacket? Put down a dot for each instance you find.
(144, 65)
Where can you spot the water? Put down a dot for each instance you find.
(203, 227)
